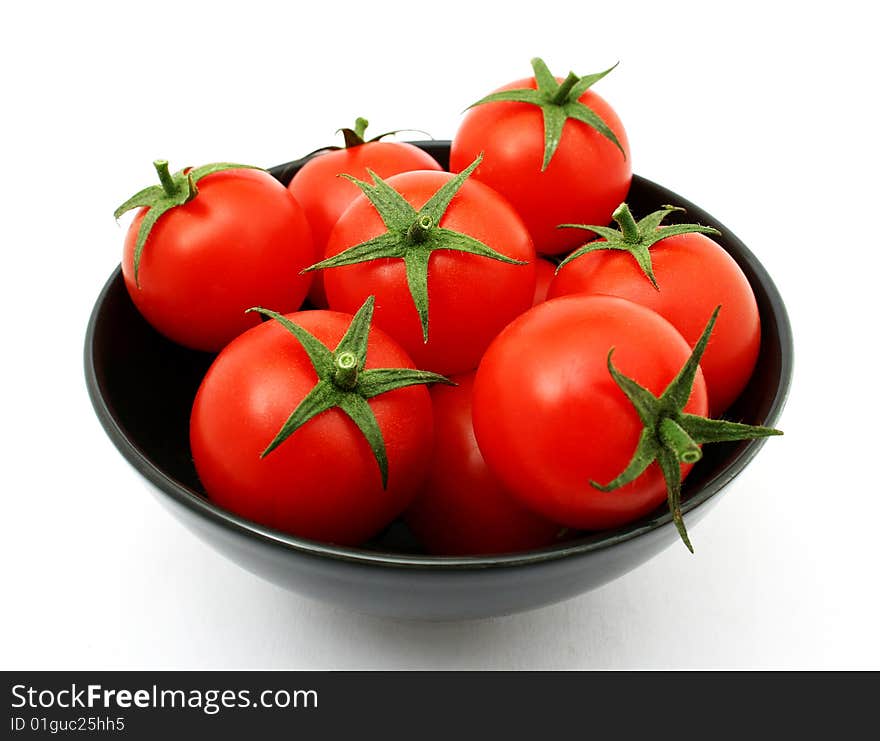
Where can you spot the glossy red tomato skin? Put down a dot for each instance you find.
(462, 508)
(324, 195)
(544, 272)
(323, 482)
(585, 181)
(695, 274)
(241, 242)
(549, 418)
(471, 297)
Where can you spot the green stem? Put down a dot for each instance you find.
(420, 229)
(355, 137)
(679, 442)
(345, 370)
(624, 218)
(561, 95)
(168, 184)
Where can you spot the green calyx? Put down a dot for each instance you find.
(558, 103)
(173, 190)
(670, 436)
(356, 137)
(634, 237)
(412, 236)
(343, 382)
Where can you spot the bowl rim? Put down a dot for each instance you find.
(590, 542)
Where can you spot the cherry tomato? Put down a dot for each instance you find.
(462, 508)
(241, 241)
(470, 297)
(323, 481)
(549, 417)
(694, 274)
(587, 177)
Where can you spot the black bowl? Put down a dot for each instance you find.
(142, 387)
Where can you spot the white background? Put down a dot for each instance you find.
(761, 115)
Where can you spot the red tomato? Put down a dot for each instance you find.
(584, 182)
(463, 509)
(242, 241)
(323, 482)
(544, 272)
(694, 275)
(471, 297)
(549, 418)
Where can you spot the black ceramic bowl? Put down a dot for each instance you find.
(142, 387)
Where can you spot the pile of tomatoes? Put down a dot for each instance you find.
(477, 350)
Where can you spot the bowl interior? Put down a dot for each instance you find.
(143, 385)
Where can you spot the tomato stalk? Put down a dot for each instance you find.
(345, 374)
(562, 93)
(344, 383)
(420, 230)
(174, 186)
(675, 437)
(635, 237)
(357, 136)
(670, 436)
(412, 236)
(558, 103)
(165, 178)
(628, 227)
